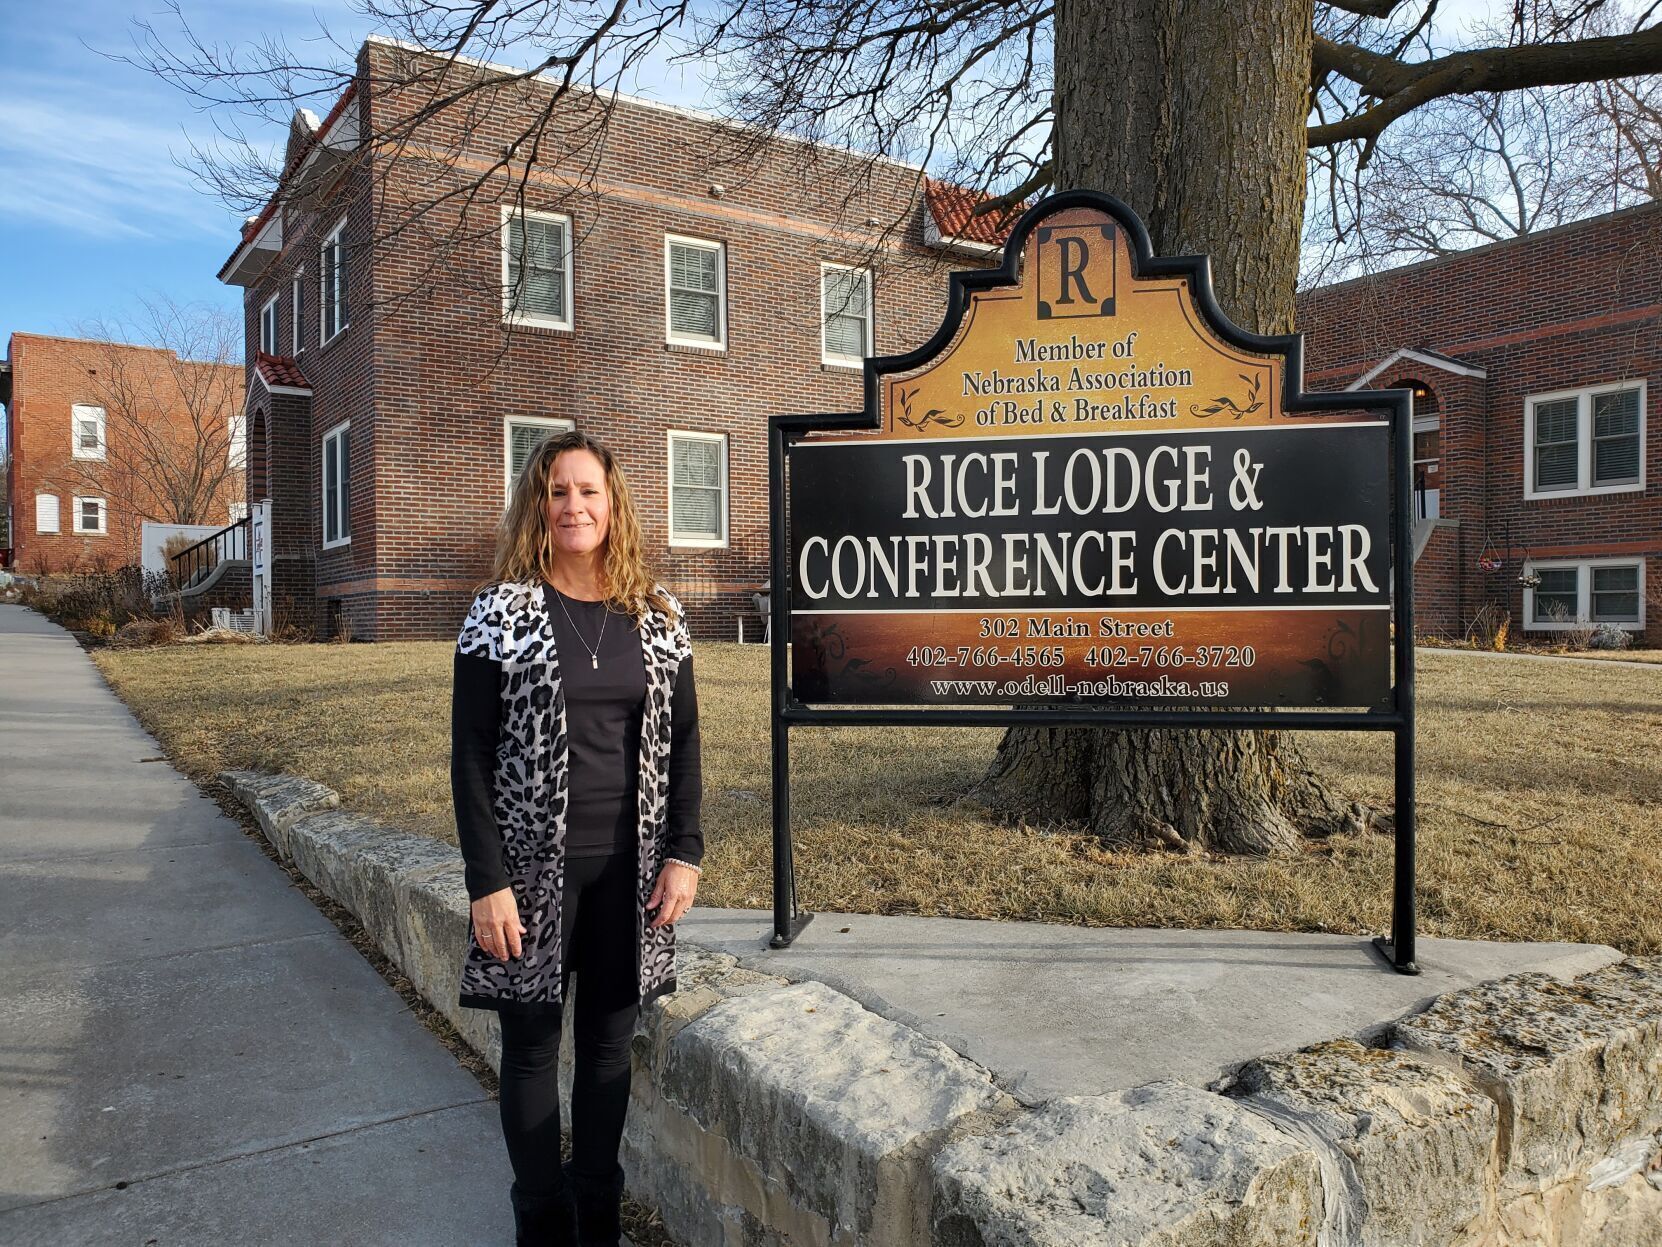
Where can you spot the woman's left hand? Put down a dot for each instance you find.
(673, 895)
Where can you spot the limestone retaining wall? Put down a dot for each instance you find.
(1527, 1111)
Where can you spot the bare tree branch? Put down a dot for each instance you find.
(1401, 88)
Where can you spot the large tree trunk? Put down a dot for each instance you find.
(1193, 112)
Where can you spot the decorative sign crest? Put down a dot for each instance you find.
(1093, 490)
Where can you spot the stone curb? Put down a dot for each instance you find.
(766, 1113)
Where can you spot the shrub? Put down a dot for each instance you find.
(1609, 636)
(96, 602)
(143, 632)
(1574, 632)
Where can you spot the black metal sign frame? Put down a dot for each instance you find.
(786, 431)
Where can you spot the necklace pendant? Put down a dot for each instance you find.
(594, 661)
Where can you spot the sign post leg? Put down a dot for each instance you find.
(1399, 949)
(787, 923)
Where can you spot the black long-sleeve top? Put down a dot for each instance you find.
(605, 700)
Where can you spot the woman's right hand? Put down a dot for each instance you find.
(496, 924)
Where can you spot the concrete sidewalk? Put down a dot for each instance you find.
(192, 1053)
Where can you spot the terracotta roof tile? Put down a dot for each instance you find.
(280, 370)
(953, 208)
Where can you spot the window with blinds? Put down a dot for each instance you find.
(336, 475)
(1557, 444)
(845, 314)
(1575, 593)
(1615, 594)
(1616, 437)
(693, 273)
(332, 310)
(1585, 441)
(1558, 596)
(296, 319)
(89, 515)
(521, 437)
(87, 424)
(536, 268)
(268, 326)
(697, 488)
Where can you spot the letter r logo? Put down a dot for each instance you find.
(1076, 270)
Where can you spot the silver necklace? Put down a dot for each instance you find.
(594, 654)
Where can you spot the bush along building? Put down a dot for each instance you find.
(656, 277)
(104, 435)
(1535, 365)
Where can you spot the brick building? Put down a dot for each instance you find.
(101, 436)
(1537, 366)
(667, 293)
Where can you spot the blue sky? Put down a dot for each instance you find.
(95, 212)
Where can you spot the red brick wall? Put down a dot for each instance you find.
(1568, 308)
(49, 376)
(428, 381)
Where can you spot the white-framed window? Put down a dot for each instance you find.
(268, 326)
(236, 451)
(86, 431)
(520, 436)
(333, 315)
(536, 268)
(236, 511)
(297, 301)
(845, 314)
(697, 489)
(46, 513)
(695, 285)
(1576, 592)
(88, 515)
(335, 475)
(1586, 441)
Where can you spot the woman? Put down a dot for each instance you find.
(577, 785)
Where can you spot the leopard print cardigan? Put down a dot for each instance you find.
(509, 623)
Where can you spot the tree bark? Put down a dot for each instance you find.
(1193, 112)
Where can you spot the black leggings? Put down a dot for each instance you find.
(598, 939)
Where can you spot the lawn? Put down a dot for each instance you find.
(1540, 795)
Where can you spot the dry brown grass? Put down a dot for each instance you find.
(1648, 656)
(1540, 796)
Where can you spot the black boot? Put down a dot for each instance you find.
(548, 1220)
(599, 1202)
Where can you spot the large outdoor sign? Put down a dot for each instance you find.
(1092, 499)
(1091, 496)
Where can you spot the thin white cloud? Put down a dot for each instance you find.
(94, 161)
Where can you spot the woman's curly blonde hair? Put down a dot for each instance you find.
(525, 545)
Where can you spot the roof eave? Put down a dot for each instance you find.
(933, 237)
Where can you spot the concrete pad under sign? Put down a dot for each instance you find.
(1054, 1010)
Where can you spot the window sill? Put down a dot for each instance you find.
(696, 348)
(1626, 625)
(1593, 491)
(337, 545)
(842, 365)
(88, 458)
(539, 328)
(340, 333)
(688, 544)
